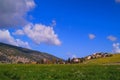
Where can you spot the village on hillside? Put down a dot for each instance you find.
(89, 57)
(22, 60)
(78, 60)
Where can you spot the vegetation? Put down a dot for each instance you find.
(59, 72)
(14, 54)
(43, 66)
(115, 59)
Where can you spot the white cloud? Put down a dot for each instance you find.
(22, 44)
(30, 4)
(91, 36)
(6, 37)
(14, 12)
(53, 23)
(116, 47)
(70, 55)
(19, 32)
(40, 33)
(117, 0)
(74, 56)
(112, 38)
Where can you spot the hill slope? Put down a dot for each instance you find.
(13, 54)
(114, 59)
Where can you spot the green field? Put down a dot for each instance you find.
(59, 72)
(115, 59)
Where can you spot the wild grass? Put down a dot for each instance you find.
(115, 59)
(59, 72)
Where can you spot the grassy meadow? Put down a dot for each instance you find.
(59, 72)
(115, 59)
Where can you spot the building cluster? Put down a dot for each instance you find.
(98, 55)
(93, 56)
(23, 60)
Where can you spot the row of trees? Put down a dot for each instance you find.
(53, 61)
(60, 61)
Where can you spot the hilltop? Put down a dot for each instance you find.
(14, 54)
(114, 59)
(97, 58)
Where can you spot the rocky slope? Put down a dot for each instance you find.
(14, 54)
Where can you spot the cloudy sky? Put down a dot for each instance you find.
(64, 28)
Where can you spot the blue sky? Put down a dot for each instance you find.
(64, 28)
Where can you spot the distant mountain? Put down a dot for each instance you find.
(14, 54)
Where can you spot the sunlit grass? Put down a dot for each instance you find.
(59, 72)
(107, 60)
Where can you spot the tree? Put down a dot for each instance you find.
(69, 60)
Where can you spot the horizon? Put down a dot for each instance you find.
(63, 28)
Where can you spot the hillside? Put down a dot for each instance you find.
(14, 54)
(114, 59)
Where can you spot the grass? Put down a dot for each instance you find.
(115, 59)
(59, 72)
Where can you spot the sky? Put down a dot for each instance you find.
(64, 28)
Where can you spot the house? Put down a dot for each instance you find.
(76, 60)
(89, 57)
